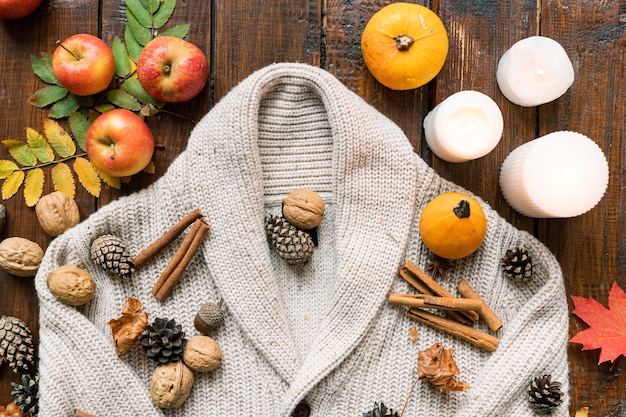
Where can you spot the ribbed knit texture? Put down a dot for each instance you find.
(321, 332)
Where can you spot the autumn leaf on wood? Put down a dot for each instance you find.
(607, 327)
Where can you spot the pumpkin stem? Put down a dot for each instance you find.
(462, 210)
(403, 42)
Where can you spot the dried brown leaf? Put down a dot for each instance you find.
(438, 366)
(127, 329)
(582, 412)
(413, 336)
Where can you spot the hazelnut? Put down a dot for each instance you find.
(71, 285)
(56, 213)
(171, 384)
(303, 208)
(20, 257)
(202, 354)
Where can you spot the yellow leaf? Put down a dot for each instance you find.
(113, 182)
(33, 186)
(12, 184)
(87, 176)
(583, 412)
(21, 152)
(150, 168)
(6, 168)
(63, 179)
(39, 146)
(59, 139)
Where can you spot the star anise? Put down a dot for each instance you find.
(438, 266)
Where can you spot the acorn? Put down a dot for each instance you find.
(209, 317)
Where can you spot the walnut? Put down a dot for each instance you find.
(202, 354)
(303, 208)
(56, 213)
(20, 257)
(71, 285)
(171, 384)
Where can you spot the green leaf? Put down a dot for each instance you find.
(85, 101)
(122, 63)
(59, 139)
(33, 186)
(63, 179)
(79, 126)
(133, 47)
(20, 152)
(42, 67)
(122, 99)
(163, 15)
(87, 176)
(103, 108)
(143, 16)
(7, 168)
(12, 184)
(179, 31)
(142, 35)
(134, 88)
(47, 95)
(151, 5)
(64, 107)
(39, 145)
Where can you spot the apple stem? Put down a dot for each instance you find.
(68, 51)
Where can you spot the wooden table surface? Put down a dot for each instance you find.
(241, 36)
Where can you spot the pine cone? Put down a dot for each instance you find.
(293, 245)
(381, 411)
(518, 264)
(544, 394)
(16, 343)
(163, 341)
(27, 394)
(112, 255)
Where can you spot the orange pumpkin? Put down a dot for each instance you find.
(404, 45)
(453, 225)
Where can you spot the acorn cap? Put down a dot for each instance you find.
(209, 317)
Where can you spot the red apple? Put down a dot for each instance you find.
(171, 69)
(83, 64)
(119, 143)
(16, 9)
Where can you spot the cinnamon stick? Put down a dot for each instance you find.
(181, 259)
(475, 337)
(158, 245)
(80, 413)
(439, 303)
(487, 315)
(425, 284)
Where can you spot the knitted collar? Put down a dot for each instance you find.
(373, 186)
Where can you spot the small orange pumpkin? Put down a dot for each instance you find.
(404, 45)
(453, 225)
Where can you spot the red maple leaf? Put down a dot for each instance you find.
(607, 329)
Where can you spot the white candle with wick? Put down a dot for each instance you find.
(465, 126)
(534, 71)
(561, 174)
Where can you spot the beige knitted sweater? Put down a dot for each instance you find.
(322, 332)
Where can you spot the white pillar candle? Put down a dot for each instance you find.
(465, 126)
(534, 71)
(561, 174)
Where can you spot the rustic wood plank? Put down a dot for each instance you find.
(18, 41)
(480, 32)
(345, 21)
(249, 37)
(592, 247)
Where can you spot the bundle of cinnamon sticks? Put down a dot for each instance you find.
(182, 257)
(465, 310)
